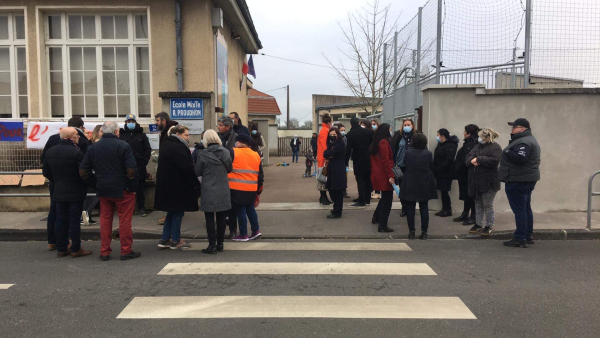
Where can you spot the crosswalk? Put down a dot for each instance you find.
(5, 286)
(256, 306)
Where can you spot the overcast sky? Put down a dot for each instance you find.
(304, 30)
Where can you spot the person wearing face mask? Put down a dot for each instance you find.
(401, 143)
(443, 168)
(176, 186)
(520, 171)
(61, 168)
(336, 171)
(295, 145)
(357, 148)
(134, 135)
(462, 175)
(342, 129)
(321, 147)
(483, 163)
(258, 139)
(374, 125)
(382, 175)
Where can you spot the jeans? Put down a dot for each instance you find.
(172, 226)
(411, 208)
(51, 222)
(519, 198)
(244, 210)
(124, 208)
(338, 201)
(446, 202)
(384, 207)
(295, 155)
(68, 218)
(219, 235)
(140, 195)
(363, 183)
(484, 204)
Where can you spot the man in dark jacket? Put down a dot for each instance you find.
(443, 168)
(228, 138)
(115, 171)
(520, 171)
(359, 140)
(314, 141)
(461, 173)
(83, 143)
(61, 167)
(164, 123)
(238, 127)
(295, 145)
(134, 135)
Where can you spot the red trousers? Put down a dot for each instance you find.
(124, 208)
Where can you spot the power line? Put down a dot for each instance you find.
(305, 63)
(284, 87)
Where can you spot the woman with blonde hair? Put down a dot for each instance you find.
(96, 134)
(483, 162)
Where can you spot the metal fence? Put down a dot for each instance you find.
(14, 156)
(284, 149)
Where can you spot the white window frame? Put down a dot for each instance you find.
(13, 44)
(64, 42)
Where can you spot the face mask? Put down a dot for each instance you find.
(254, 132)
(343, 133)
(391, 133)
(480, 140)
(438, 139)
(362, 126)
(332, 138)
(131, 126)
(374, 126)
(407, 129)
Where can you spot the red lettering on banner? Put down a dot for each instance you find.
(34, 132)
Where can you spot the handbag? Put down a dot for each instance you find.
(322, 175)
(398, 174)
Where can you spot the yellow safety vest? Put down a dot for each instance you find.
(246, 166)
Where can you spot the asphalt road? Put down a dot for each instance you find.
(551, 289)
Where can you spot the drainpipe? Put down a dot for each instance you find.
(179, 48)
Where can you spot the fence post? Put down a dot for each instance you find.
(384, 68)
(418, 67)
(395, 70)
(527, 42)
(438, 53)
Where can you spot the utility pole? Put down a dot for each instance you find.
(438, 52)
(527, 43)
(288, 106)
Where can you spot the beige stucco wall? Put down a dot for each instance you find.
(564, 121)
(272, 118)
(197, 40)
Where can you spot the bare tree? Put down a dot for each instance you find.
(307, 125)
(294, 124)
(365, 35)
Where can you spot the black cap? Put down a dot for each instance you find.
(520, 122)
(246, 139)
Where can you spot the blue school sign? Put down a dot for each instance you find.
(187, 109)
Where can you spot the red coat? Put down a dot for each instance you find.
(322, 144)
(381, 167)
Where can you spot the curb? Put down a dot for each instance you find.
(12, 235)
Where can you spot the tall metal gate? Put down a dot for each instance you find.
(284, 149)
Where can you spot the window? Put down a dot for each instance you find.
(98, 65)
(13, 66)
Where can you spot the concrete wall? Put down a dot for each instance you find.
(319, 100)
(289, 133)
(272, 118)
(273, 139)
(564, 121)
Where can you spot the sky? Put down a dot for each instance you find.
(304, 31)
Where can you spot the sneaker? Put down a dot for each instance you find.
(516, 243)
(143, 212)
(255, 235)
(85, 218)
(180, 245)
(127, 257)
(161, 221)
(475, 229)
(164, 244)
(530, 240)
(240, 238)
(486, 231)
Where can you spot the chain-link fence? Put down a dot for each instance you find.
(14, 156)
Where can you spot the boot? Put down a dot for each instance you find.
(324, 201)
(446, 213)
(210, 250)
(402, 213)
(439, 213)
(463, 217)
(386, 229)
(470, 220)
(423, 235)
(411, 235)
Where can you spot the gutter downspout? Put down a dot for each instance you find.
(179, 47)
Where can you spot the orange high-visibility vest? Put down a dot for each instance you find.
(246, 166)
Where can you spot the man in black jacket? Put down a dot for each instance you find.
(238, 127)
(520, 171)
(83, 143)
(134, 135)
(164, 123)
(115, 171)
(61, 168)
(359, 140)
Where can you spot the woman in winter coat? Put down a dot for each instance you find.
(401, 143)
(336, 171)
(461, 172)
(418, 184)
(382, 175)
(176, 185)
(443, 168)
(483, 162)
(212, 166)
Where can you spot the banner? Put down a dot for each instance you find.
(38, 133)
(11, 131)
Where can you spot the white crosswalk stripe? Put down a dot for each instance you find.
(297, 307)
(397, 269)
(5, 286)
(371, 307)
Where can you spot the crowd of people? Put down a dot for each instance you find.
(384, 160)
(225, 172)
